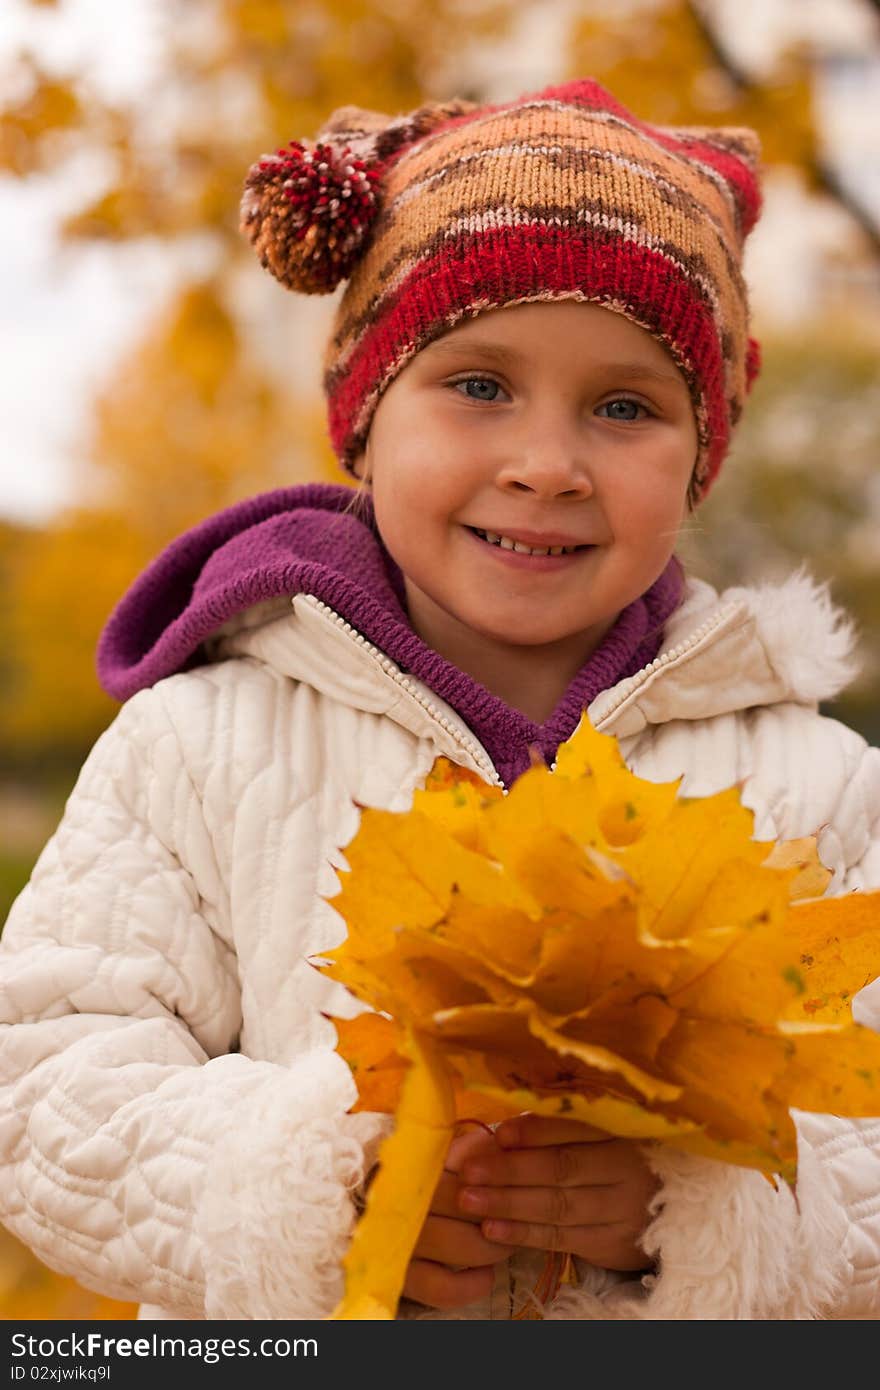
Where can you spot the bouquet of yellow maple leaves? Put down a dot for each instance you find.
(595, 946)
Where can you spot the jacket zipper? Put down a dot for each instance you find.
(639, 677)
(633, 682)
(630, 685)
(393, 670)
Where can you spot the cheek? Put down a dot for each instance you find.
(399, 490)
(404, 509)
(650, 508)
(419, 485)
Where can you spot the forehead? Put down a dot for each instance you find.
(598, 337)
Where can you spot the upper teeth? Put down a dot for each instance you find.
(507, 544)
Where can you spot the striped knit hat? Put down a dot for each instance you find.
(457, 208)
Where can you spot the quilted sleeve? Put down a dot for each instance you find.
(139, 1151)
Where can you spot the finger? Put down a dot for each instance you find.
(612, 1246)
(458, 1243)
(440, 1287)
(472, 1143)
(531, 1131)
(568, 1165)
(554, 1206)
(445, 1199)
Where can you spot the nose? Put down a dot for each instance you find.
(549, 461)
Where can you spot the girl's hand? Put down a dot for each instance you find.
(453, 1262)
(561, 1185)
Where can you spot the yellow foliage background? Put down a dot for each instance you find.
(212, 403)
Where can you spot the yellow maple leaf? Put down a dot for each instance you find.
(595, 946)
(412, 1161)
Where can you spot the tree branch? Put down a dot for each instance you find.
(721, 54)
(829, 181)
(822, 171)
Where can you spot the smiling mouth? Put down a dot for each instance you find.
(517, 548)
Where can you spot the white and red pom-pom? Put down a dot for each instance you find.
(307, 209)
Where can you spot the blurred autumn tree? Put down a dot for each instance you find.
(802, 481)
(209, 406)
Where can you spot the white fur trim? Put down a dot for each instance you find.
(809, 641)
(593, 1299)
(277, 1212)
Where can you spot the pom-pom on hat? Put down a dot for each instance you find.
(458, 208)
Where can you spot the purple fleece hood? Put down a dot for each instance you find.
(302, 540)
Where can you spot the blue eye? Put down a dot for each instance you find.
(483, 381)
(625, 400)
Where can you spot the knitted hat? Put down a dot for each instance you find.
(457, 208)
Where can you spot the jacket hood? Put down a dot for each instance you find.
(721, 653)
(300, 551)
(245, 560)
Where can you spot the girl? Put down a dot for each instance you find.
(535, 369)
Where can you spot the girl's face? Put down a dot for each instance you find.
(549, 424)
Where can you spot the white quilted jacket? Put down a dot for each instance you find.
(174, 1125)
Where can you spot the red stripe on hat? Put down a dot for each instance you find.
(586, 93)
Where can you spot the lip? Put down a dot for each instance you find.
(535, 564)
(535, 538)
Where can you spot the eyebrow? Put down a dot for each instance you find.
(497, 352)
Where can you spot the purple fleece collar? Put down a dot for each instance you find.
(298, 540)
